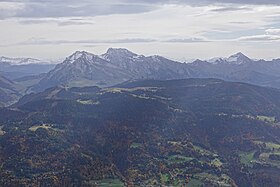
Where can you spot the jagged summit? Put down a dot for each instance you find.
(239, 58)
(239, 54)
(112, 53)
(120, 52)
(79, 54)
(120, 56)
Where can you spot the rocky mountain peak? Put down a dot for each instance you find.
(78, 55)
(119, 52)
(238, 58)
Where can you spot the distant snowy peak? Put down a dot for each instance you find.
(217, 60)
(19, 61)
(238, 58)
(27, 61)
(111, 56)
(119, 54)
(79, 55)
(118, 57)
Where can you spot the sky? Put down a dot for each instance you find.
(178, 29)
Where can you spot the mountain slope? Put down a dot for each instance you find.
(82, 69)
(9, 91)
(150, 132)
(120, 65)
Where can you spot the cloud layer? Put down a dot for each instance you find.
(71, 8)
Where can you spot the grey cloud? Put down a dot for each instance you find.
(72, 8)
(207, 2)
(134, 40)
(69, 23)
(260, 38)
(58, 22)
(229, 9)
(241, 22)
(273, 31)
(60, 42)
(186, 40)
(54, 9)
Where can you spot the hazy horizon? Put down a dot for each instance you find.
(182, 59)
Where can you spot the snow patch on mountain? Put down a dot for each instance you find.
(26, 61)
(19, 61)
(237, 59)
(79, 54)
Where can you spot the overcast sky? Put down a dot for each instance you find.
(177, 29)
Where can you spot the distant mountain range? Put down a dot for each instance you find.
(17, 74)
(120, 65)
(24, 61)
(14, 68)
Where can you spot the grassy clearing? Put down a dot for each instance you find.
(203, 151)
(164, 178)
(269, 145)
(43, 126)
(264, 156)
(141, 96)
(246, 158)
(195, 183)
(179, 159)
(36, 127)
(173, 143)
(217, 163)
(272, 145)
(264, 159)
(88, 102)
(135, 145)
(270, 149)
(1, 131)
(266, 119)
(213, 180)
(109, 183)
